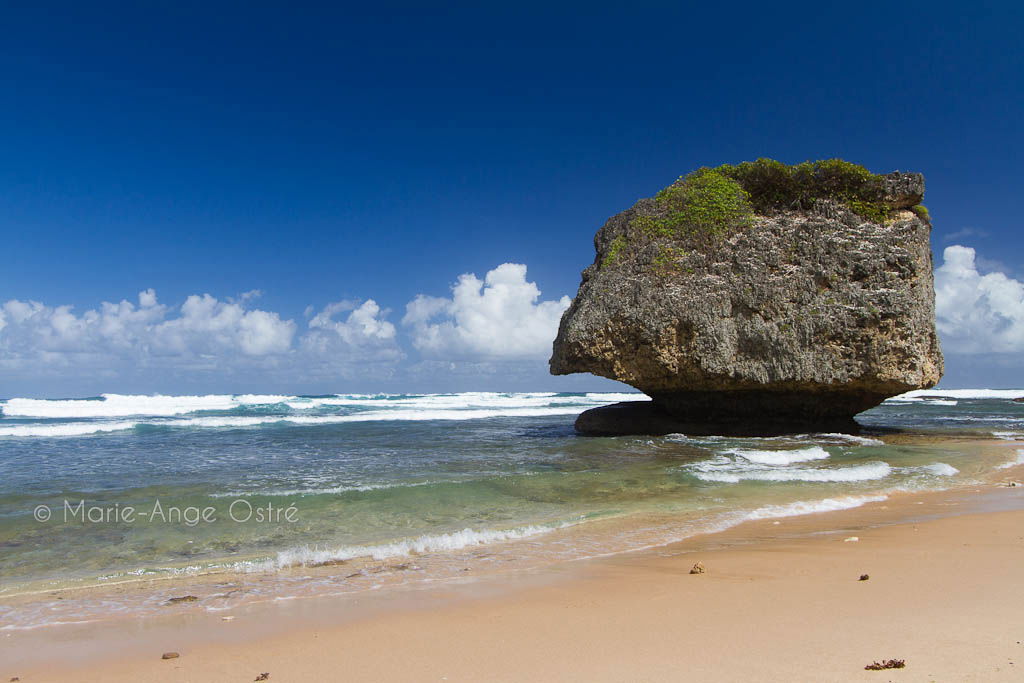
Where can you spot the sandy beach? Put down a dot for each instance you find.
(781, 600)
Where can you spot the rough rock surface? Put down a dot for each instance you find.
(798, 321)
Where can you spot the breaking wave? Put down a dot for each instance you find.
(253, 410)
(456, 540)
(781, 457)
(731, 473)
(920, 394)
(805, 507)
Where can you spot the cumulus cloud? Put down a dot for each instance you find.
(975, 312)
(363, 333)
(498, 318)
(490, 328)
(203, 326)
(209, 326)
(204, 334)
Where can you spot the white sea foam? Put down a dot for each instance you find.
(824, 437)
(732, 473)
(424, 544)
(469, 399)
(807, 507)
(848, 438)
(960, 394)
(615, 398)
(416, 415)
(1008, 436)
(119, 405)
(1018, 460)
(242, 421)
(65, 429)
(941, 469)
(321, 491)
(781, 457)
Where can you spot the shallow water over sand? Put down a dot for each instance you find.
(269, 497)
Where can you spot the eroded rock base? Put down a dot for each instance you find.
(634, 418)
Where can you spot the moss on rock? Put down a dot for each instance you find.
(711, 202)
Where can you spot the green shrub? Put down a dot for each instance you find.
(704, 202)
(774, 186)
(711, 202)
(922, 212)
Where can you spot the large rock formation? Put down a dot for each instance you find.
(756, 299)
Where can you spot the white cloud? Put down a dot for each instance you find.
(209, 326)
(363, 328)
(977, 313)
(204, 334)
(497, 318)
(222, 343)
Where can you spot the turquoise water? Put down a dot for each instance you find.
(267, 485)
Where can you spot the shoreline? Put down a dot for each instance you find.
(224, 569)
(273, 632)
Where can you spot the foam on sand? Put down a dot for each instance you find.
(1018, 460)
(456, 540)
(805, 507)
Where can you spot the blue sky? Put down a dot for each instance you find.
(327, 155)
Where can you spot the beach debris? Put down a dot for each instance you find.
(14, 678)
(183, 598)
(170, 655)
(886, 664)
(1014, 483)
(864, 577)
(851, 539)
(698, 568)
(263, 677)
(227, 618)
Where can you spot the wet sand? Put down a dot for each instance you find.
(781, 600)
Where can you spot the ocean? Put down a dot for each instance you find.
(237, 498)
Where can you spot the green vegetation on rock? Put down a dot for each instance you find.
(774, 186)
(711, 202)
(667, 260)
(614, 251)
(922, 212)
(704, 202)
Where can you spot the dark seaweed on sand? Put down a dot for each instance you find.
(886, 664)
